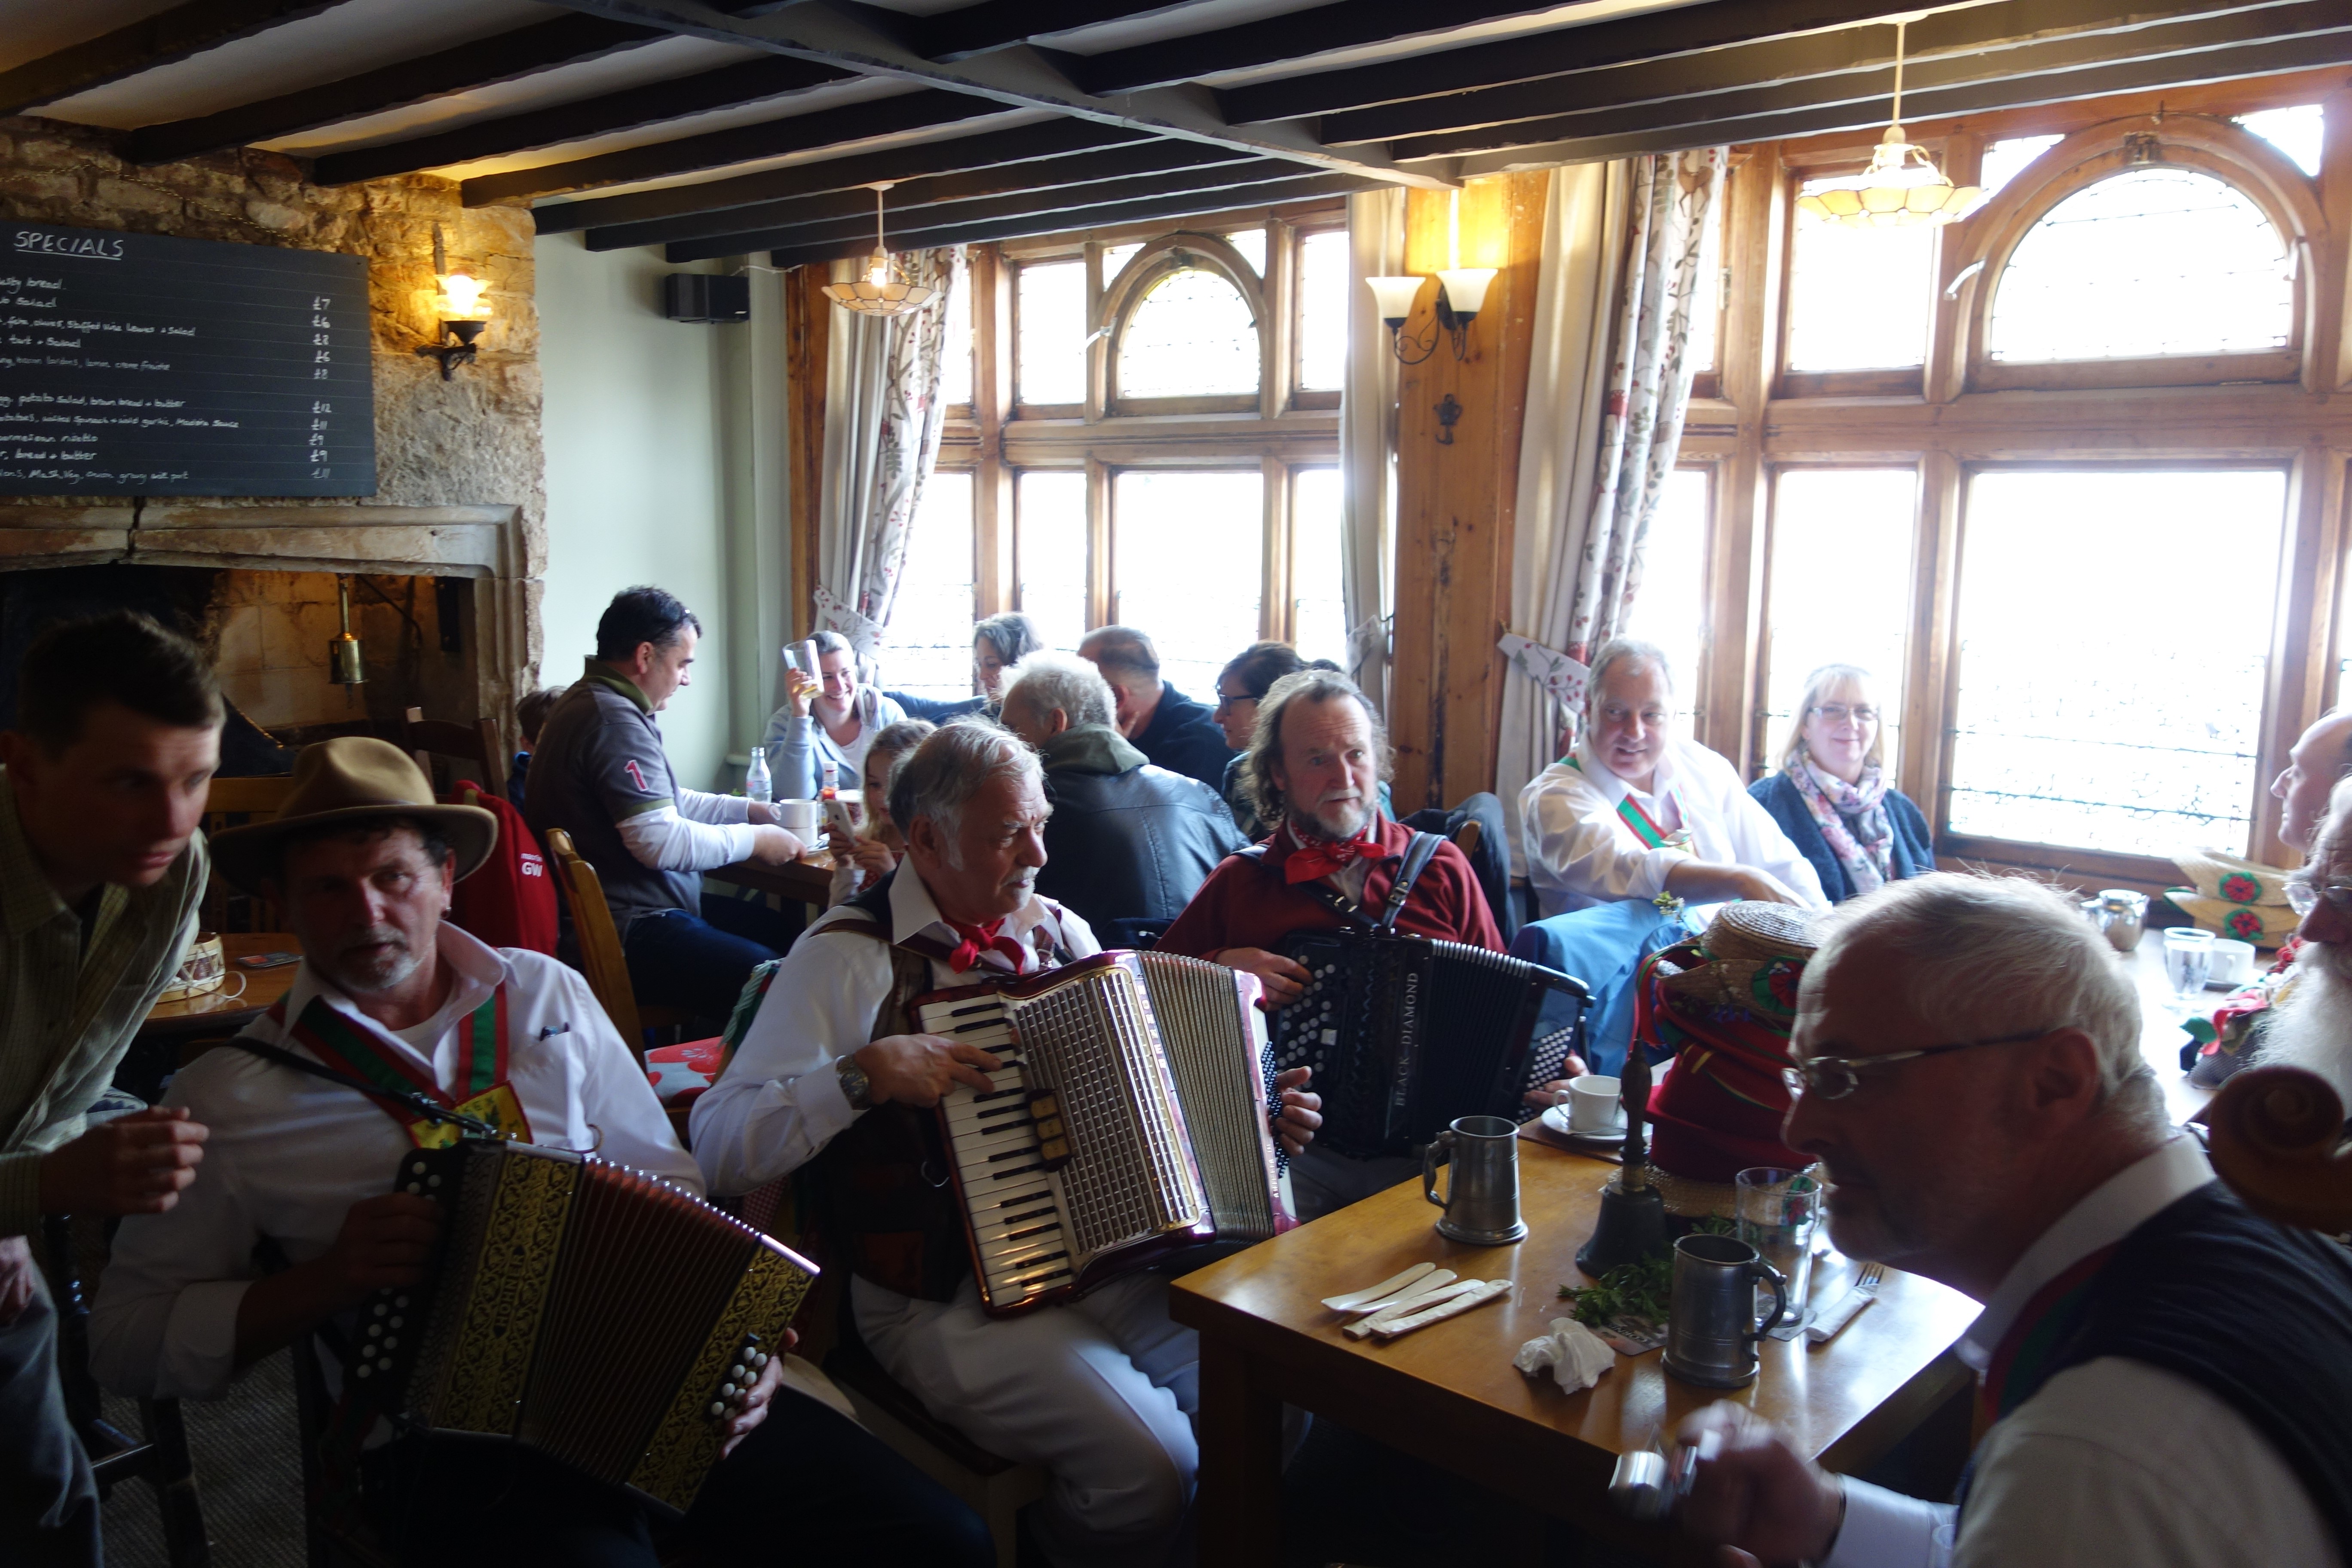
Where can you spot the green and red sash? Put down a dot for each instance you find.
(1630, 812)
(482, 1087)
(2020, 1361)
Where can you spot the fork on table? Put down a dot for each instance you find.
(1861, 1294)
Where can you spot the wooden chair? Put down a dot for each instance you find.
(1466, 837)
(601, 959)
(234, 802)
(476, 744)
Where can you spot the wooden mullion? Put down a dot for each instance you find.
(1100, 561)
(1278, 327)
(808, 326)
(1927, 692)
(1097, 347)
(1275, 608)
(1747, 354)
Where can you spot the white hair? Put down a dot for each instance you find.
(1622, 650)
(954, 762)
(1044, 681)
(1985, 956)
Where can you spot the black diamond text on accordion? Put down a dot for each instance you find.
(579, 1307)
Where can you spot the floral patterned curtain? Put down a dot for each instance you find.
(881, 438)
(1607, 388)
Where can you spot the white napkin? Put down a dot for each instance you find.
(1576, 1355)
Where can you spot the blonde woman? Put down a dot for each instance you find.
(1831, 797)
(873, 852)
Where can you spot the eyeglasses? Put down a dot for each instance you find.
(1227, 700)
(2302, 896)
(1839, 713)
(1834, 1077)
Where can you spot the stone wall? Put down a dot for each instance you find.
(470, 441)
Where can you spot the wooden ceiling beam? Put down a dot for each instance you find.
(1021, 77)
(1308, 184)
(626, 110)
(1234, 179)
(1144, 156)
(1655, 36)
(1875, 84)
(1021, 143)
(994, 24)
(1937, 103)
(157, 40)
(848, 123)
(503, 56)
(1295, 36)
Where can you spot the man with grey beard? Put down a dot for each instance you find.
(1313, 769)
(2311, 1016)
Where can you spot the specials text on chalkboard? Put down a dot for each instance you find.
(133, 364)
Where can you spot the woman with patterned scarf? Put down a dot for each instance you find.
(1831, 797)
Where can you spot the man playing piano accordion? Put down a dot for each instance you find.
(1100, 1391)
(1314, 768)
(300, 1166)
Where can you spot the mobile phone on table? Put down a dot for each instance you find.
(270, 960)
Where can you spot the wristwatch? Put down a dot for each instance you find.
(855, 1087)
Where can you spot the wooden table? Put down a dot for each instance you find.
(808, 879)
(1449, 1395)
(157, 1050)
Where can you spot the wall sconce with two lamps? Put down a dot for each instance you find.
(1461, 295)
(461, 309)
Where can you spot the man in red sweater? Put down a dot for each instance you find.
(1313, 769)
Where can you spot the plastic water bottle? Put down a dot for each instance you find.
(757, 783)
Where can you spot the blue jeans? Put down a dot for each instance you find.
(699, 963)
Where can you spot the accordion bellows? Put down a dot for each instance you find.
(582, 1309)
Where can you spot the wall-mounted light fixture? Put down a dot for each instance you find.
(883, 289)
(1461, 295)
(460, 309)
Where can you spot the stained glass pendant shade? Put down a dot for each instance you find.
(1901, 187)
(883, 289)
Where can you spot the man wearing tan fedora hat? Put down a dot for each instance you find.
(395, 1020)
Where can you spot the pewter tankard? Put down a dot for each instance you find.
(1711, 1326)
(1482, 1196)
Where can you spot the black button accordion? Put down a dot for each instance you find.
(1127, 1127)
(1406, 1033)
(579, 1307)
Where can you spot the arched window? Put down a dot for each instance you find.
(2157, 260)
(1190, 334)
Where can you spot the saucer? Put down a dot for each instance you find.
(1556, 1120)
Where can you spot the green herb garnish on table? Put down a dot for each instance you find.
(1638, 1290)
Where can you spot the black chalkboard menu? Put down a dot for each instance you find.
(133, 364)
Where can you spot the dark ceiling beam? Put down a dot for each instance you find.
(1628, 99)
(158, 40)
(1234, 179)
(626, 110)
(1144, 156)
(1021, 143)
(1021, 77)
(1298, 36)
(2016, 92)
(1307, 186)
(1632, 40)
(503, 56)
(849, 122)
(993, 24)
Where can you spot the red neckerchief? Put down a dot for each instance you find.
(980, 939)
(1312, 858)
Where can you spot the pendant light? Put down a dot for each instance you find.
(1901, 187)
(883, 290)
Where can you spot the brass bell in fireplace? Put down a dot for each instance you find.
(345, 666)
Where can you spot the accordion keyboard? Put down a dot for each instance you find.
(1019, 1226)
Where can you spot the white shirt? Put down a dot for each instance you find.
(2111, 1463)
(1579, 851)
(291, 1153)
(780, 1101)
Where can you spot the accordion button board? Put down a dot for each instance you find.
(1405, 1034)
(1124, 1124)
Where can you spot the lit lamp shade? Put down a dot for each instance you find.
(1465, 288)
(1393, 297)
(462, 298)
(881, 289)
(1901, 187)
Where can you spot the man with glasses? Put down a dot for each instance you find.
(1635, 811)
(2168, 1378)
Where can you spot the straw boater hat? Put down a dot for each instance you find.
(351, 779)
(2235, 897)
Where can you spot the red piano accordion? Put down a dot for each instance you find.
(1127, 1125)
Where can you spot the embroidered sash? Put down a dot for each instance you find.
(482, 1085)
(1630, 812)
(2023, 1359)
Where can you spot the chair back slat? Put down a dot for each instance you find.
(600, 941)
(476, 743)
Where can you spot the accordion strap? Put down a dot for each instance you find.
(1418, 854)
(421, 1105)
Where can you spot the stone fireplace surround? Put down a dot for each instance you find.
(482, 543)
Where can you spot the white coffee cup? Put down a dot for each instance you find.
(2234, 963)
(1593, 1104)
(799, 816)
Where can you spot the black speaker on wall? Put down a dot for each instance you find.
(706, 297)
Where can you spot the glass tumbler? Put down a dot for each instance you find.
(1779, 1214)
(2188, 960)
